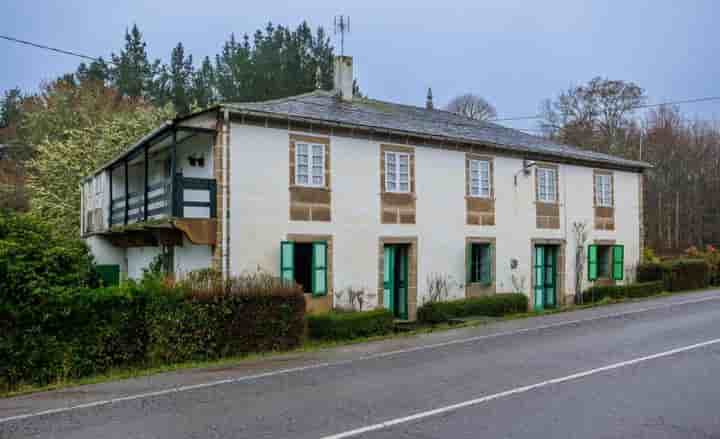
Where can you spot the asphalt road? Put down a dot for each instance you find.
(649, 370)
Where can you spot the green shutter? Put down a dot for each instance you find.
(469, 262)
(539, 286)
(109, 274)
(618, 262)
(486, 264)
(592, 262)
(287, 264)
(319, 269)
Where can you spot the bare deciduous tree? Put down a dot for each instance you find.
(472, 106)
(594, 115)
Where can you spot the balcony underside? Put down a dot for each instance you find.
(167, 232)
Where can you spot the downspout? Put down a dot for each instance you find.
(226, 192)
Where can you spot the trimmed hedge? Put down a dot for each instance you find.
(635, 290)
(496, 305)
(87, 332)
(677, 275)
(349, 325)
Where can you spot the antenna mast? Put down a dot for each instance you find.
(342, 25)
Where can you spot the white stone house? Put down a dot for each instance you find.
(338, 192)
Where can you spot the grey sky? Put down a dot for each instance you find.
(514, 53)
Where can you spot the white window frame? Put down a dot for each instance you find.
(544, 185)
(396, 171)
(476, 173)
(310, 155)
(603, 190)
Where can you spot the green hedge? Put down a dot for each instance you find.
(635, 290)
(677, 275)
(349, 325)
(495, 306)
(87, 332)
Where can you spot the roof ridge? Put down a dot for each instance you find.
(283, 99)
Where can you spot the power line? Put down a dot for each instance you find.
(54, 49)
(637, 107)
(537, 116)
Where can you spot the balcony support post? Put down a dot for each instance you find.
(174, 209)
(110, 184)
(127, 191)
(147, 183)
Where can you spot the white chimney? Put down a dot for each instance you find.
(343, 84)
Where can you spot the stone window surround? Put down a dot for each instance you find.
(412, 242)
(477, 289)
(318, 303)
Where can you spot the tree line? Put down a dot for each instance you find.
(682, 192)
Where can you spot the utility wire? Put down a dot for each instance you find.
(637, 107)
(537, 116)
(54, 49)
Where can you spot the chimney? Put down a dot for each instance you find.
(429, 103)
(343, 84)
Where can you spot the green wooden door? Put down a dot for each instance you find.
(389, 278)
(401, 257)
(545, 270)
(539, 286)
(550, 276)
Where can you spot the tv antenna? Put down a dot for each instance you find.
(342, 25)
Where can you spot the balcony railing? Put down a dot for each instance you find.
(180, 198)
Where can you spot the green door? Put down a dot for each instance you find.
(545, 273)
(395, 280)
(389, 278)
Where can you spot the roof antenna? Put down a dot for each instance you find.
(429, 102)
(342, 25)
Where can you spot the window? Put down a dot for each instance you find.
(98, 183)
(480, 184)
(546, 185)
(606, 262)
(305, 264)
(397, 172)
(603, 190)
(310, 164)
(479, 263)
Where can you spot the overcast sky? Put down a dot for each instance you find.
(514, 53)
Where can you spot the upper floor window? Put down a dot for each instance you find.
(397, 172)
(603, 190)
(546, 185)
(480, 183)
(310, 164)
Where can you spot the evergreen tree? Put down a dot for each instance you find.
(11, 107)
(96, 71)
(203, 87)
(180, 76)
(133, 74)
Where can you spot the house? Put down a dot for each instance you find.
(338, 192)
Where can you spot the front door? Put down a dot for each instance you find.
(545, 274)
(395, 279)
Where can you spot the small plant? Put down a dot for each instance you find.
(438, 287)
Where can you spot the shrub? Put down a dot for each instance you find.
(688, 274)
(494, 306)
(635, 290)
(681, 274)
(651, 272)
(348, 325)
(84, 332)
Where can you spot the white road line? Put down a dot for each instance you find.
(515, 391)
(341, 363)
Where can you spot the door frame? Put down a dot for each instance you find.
(560, 270)
(411, 242)
(400, 254)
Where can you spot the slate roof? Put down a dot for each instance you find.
(370, 113)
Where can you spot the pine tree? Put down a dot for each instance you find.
(133, 74)
(203, 88)
(11, 107)
(181, 74)
(96, 71)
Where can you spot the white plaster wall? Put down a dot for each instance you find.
(105, 253)
(260, 218)
(189, 257)
(201, 144)
(139, 258)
